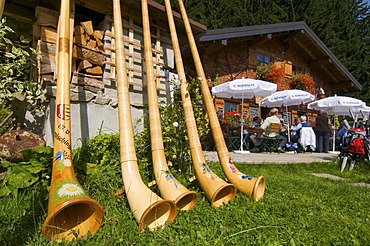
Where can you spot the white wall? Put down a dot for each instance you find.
(87, 121)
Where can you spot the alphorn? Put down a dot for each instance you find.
(247, 185)
(71, 213)
(148, 208)
(2, 4)
(168, 186)
(217, 190)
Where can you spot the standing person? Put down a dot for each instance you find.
(273, 118)
(322, 132)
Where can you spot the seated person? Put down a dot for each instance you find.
(301, 122)
(273, 118)
(283, 129)
(236, 121)
(256, 123)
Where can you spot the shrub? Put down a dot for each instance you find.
(16, 63)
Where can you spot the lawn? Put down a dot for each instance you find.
(297, 209)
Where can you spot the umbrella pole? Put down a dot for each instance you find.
(241, 124)
(286, 110)
(335, 116)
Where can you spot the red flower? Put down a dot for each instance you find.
(302, 81)
(270, 72)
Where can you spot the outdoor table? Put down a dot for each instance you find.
(253, 130)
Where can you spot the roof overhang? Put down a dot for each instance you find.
(24, 10)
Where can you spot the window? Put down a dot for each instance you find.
(263, 59)
(229, 106)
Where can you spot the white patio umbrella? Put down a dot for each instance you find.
(287, 98)
(356, 111)
(336, 105)
(244, 88)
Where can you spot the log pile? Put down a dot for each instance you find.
(88, 57)
(87, 53)
(88, 48)
(44, 38)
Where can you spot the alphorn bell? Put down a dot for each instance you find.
(148, 208)
(247, 185)
(169, 187)
(71, 213)
(217, 190)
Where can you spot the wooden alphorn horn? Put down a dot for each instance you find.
(2, 4)
(247, 185)
(71, 213)
(148, 208)
(217, 190)
(169, 187)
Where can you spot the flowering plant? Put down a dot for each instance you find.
(270, 72)
(302, 81)
(229, 117)
(247, 120)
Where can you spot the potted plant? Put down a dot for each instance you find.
(270, 72)
(302, 81)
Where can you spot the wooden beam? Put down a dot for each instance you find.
(305, 48)
(319, 62)
(332, 76)
(258, 41)
(343, 86)
(290, 36)
(19, 12)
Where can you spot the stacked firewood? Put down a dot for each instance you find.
(88, 47)
(44, 38)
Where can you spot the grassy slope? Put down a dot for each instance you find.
(298, 209)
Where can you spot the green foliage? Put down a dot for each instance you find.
(20, 175)
(103, 149)
(174, 132)
(16, 62)
(297, 209)
(201, 118)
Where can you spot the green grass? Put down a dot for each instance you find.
(297, 209)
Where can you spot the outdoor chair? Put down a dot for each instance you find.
(232, 138)
(268, 143)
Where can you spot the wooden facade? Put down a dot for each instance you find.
(233, 53)
(93, 85)
(226, 53)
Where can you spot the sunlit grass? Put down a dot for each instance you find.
(297, 209)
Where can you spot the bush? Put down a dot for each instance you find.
(16, 64)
